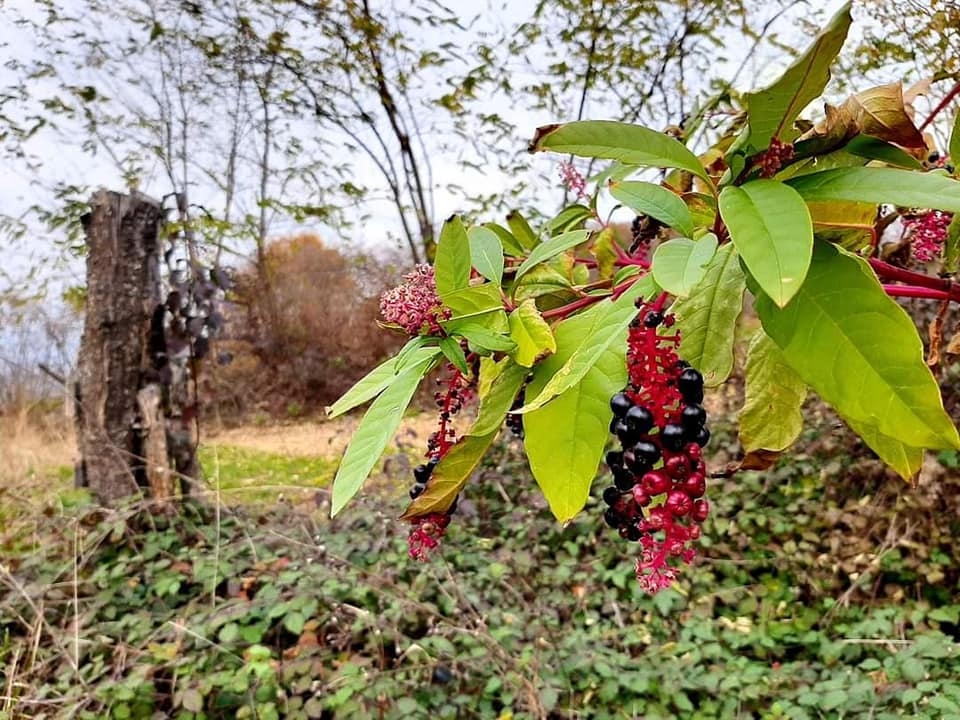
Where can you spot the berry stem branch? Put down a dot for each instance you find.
(940, 106)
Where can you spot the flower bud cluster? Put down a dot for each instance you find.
(659, 476)
(927, 231)
(414, 304)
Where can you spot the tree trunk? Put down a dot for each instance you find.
(119, 445)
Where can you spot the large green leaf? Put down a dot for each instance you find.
(521, 229)
(657, 202)
(679, 264)
(452, 262)
(511, 246)
(476, 304)
(552, 247)
(708, 318)
(531, 333)
(541, 280)
(599, 327)
(771, 228)
(881, 185)
(499, 396)
(378, 426)
(481, 337)
(565, 439)
(610, 140)
(770, 418)
(905, 459)
(381, 377)
(860, 351)
(872, 148)
(486, 253)
(771, 112)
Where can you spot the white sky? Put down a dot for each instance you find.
(63, 159)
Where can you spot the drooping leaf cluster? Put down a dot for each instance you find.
(758, 213)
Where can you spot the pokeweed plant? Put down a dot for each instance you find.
(571, 336)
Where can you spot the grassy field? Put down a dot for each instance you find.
(825, 588)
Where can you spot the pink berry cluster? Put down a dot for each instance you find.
(573, 181)
(659, 476)
(774, 157)
(927, 230)
(428, 530)
(414, 304)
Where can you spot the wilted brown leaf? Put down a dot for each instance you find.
(883, 113)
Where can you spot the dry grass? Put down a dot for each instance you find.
(34, 446)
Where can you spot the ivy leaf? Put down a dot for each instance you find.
(381, 377)
(879, 186)
(456, 467)
(450, 347)
(378, 426)
(771, 418)
(531, 333)
(860, 351)
(452, 262)
(657, 202)
(552, 247)
(486, 253)
(565, 439)
(626, 143)
(771, 112)
(708, 318)
(679, 264)
(771, 228)
(599, 327)
(521, 230)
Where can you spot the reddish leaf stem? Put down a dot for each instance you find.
(917, 292)
(939, 108)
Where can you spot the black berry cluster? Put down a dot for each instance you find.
(659, 476)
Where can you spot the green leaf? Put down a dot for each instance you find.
(541, 280)
(679, 264)
(657, 202)
(486, 253)
(951, 247)
(458, 464)
(955, 140)
(481, 337)
(600, 326)
(565, 439)
(771, 228)
(450, 475)
(380, 378)
(771, 112)
(610, 140)
(860, 351)
(604, 249)
(452, 262)
(881, 185)
(708, 318)
(471, 302)
(551, 248)
(531, 333)
(521, 230)
(294, 622)
(771, 418)
(375, 431)
(568, 219)
(450, 347)
(872, 148)
(905, 459)
(507, 241)
(499, 397)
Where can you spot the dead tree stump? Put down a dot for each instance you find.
(119, 418)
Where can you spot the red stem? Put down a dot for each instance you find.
(939, 108)
(887, 271)
(916, 292)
